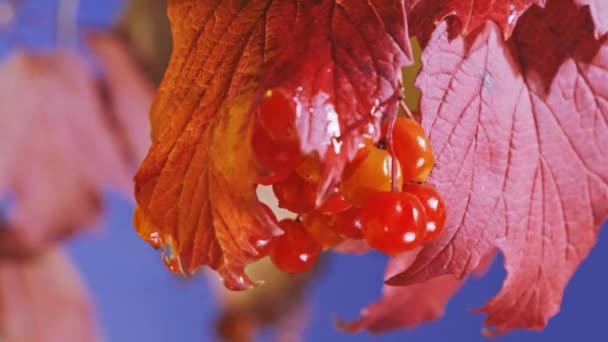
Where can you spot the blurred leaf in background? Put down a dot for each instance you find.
(73, 124)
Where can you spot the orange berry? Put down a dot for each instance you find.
(371, 174)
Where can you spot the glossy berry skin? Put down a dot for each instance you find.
(263, 244)
(277, 114)
(278, 158)
(310, 168)
(295, 194)
(369, 175)
(347, 223)
(393, 222)
(295, 251)
(434, 208)
(317, 226)
(336, 203)
(413, 150)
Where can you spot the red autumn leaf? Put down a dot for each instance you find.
(408, 306)
(424, 15)
(519, 128)
(471, 14)
(195, 190)
(599, 12)
(43, 299)
(403, 307)
(64, 143)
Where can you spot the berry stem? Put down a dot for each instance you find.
(392, 118)
(406, 110)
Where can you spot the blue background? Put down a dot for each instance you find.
(138, 300)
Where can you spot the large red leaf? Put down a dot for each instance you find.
(195, 189)
(520, 130)
(43, 299)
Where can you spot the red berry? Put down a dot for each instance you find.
(335, 203)
(369, 175)
(295, 194)
(263, 244)
(413, 150)
(310, 168)
(277, 115)
(278, 158)
(269, 213)
(393, 222)
(295, 251)
(347, 223)
(434, 208)
(318, 228)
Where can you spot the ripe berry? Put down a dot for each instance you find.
(393, 222)
(295, 251)
(347, 223)
(434, 208)
(371, 174)
(278, 158)
(413, 150)
(277, 115)
(317, 227)
(310, 168)
(263, 244)
(364, 148)
(335, 203)
(295, 194)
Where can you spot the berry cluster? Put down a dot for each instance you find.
(382, 197)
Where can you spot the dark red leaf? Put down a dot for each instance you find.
(519, 128)
(340, 61)
(471, 14)
(599, 12)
